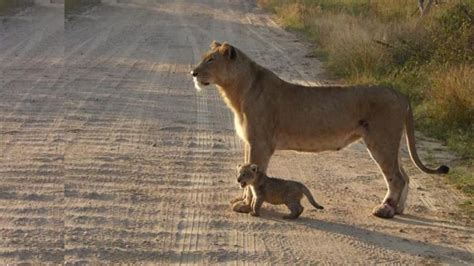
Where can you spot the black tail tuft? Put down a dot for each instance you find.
(443, 169)
(320, 207)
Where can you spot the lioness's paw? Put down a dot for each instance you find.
(233, 201)
(241, 206)
(254, 214)
(384, 211)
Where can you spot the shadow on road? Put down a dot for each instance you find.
(395, 243)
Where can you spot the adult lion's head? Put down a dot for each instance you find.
(217, 66)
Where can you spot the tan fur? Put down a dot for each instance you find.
(273, 190)
(271, 114)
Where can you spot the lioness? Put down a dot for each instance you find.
(274, 191)
(271, 114)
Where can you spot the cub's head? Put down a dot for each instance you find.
(248, 174)
(217, 66)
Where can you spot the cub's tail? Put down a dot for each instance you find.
(308, 195)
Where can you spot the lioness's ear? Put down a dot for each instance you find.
(228, 50)
(238, 167)
(254, 168)
(214, 45)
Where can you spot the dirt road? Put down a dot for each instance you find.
(108, 154)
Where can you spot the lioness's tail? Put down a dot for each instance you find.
(410, 136)
(308, 195)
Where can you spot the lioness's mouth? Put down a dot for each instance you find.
(243, 184)
(198, 84)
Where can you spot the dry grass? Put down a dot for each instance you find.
(452, 95)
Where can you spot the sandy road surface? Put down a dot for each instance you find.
(107, 153)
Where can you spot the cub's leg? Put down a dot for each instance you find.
(256, 205)
(296, 210)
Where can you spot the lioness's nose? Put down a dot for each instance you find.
(194, 73)
(238, 179)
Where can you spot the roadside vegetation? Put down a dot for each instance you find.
(428, 57)
(7, 6)
(73, 7)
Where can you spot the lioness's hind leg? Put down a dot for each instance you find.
(403, 197)
(383, 145)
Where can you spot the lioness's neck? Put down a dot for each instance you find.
(234, 90)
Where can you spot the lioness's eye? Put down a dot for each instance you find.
(209, 60)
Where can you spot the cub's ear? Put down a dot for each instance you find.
(228, 51)
(254, 168)
(214, 45)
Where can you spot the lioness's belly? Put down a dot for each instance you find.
(315, 143)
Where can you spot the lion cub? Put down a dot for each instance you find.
(274, 191)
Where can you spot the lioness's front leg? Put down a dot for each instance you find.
(247, 153)
(258, 154)
(244, 193)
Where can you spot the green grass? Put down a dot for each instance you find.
(462, 178)
(431, 60)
